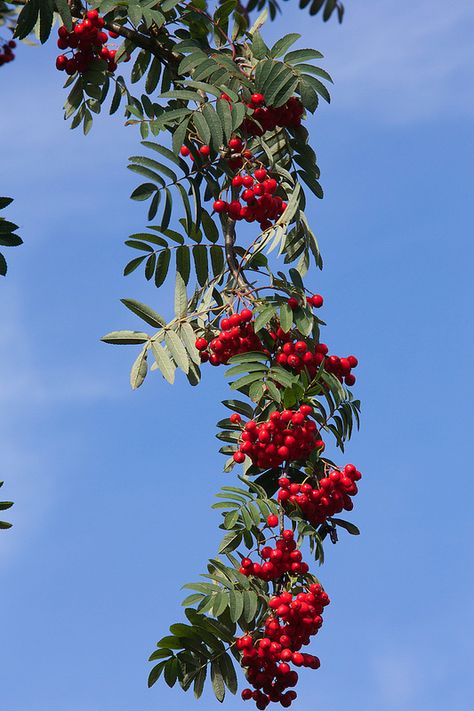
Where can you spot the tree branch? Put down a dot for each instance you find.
(229, 241)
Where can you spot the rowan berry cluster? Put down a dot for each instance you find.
(261, 204)
(87, 42)
(237, 336)
(286, 436)
(293, 621)
(236, 153)
(267, 118)
(296, 355)
(331, 496)
(284, 558)
(6, 51)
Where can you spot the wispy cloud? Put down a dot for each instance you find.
(32, 391)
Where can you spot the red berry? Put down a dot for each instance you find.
(184, 150)
(61, 62)
(235, 144)
(201, 344)
(260, 174)
(235, 418)
(239, 457)
(317, 301)
(257, 99)
(293, 303)
(219, 206)
(270, 185)
(272, 520)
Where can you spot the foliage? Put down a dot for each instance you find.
(217, 109)
(8, 238)
(4, 505)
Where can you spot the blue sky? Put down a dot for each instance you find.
(112, 488)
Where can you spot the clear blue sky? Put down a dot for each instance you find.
(112, 488)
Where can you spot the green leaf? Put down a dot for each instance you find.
(163, 361)
(139, 369)
(210, 227)
(250, 605)
(153, 76)
(242, 408)
(230, 542)
(177, 350)
(183, 263)
(217, 260)
(302, 55)
(350, 527)
(264, 317)
(201, 263)
(236, 603)
(217, 680)
(215, 127)
(283, 44)
(144, 312)
(189, 338)
(259, 48)
(171, 672)
(225, 116)
(180, 297)
(202, 127)
(125, 337)
(228, 672)
(162, 266)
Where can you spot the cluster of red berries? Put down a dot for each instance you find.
(6, 51)
(237, 336)
(267, 118)
(284, 558)
(88, 39)
(235, 148)
(286, 436)
(258, 194)
(293, 621)
(331, 496)
(204, 150)
(296, 355)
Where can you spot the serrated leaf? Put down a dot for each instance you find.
(201, 263)
(283, 44)
(250, 605)
(264, 317)
(236, 604)
(163, 361)
(125, 337)
(217, 680)
(228, 672)
(230, 542)
(350, 527)
(177, 350)
(139, 369)
(302, 55)
(162, 267)
(144, 312)
(180, 297)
